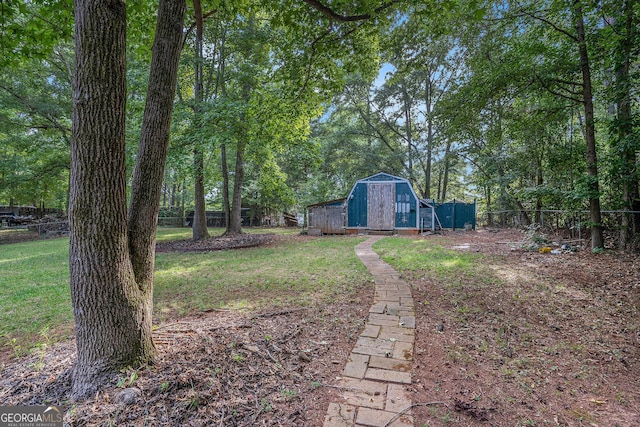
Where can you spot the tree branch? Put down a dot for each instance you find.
(193, 25)
(551, 24)
(34, 109)
(331, 14)
(556, 93)
(568, 83)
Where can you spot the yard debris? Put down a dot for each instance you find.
(211, 370)
(128, 396)
(471, 410)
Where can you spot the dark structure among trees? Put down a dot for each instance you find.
(386, 203)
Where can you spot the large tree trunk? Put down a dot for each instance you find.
(110, 257)
(597, 239)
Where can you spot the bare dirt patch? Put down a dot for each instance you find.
(8, 236)
(544, 340)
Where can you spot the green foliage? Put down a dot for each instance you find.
(30, 30)
(35, 126)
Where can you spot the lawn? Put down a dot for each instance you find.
(36, 303)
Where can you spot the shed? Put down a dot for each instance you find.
(326, 218)
(388, 204)
(382, 202)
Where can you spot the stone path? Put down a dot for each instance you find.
(375, 377)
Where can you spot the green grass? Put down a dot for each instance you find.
(36, 296)
(298, 272)
(417, 256)
(35, 289)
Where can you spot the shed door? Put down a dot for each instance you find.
(381, 210)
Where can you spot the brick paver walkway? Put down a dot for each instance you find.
(375, 377)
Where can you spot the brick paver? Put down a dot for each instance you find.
(373, 386)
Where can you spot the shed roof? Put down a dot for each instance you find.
(382, 176)
(327, 203)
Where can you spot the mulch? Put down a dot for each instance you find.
(217, 368)
(220, 243)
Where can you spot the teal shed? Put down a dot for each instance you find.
(386, 203)
(382, 202)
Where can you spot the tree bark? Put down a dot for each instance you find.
(235, 217)
(234, 224)
(445, 178)
(225, 186)
(597, 239)
(488, 202)
(154, 140)
(539, 184)
(199, 225)
(110, 256)
(624, 130)
(428, 99)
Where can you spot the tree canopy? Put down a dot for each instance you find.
(467, 99)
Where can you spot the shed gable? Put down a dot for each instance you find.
(382, 202)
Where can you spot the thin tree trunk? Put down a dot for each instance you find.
(597, 239)
(488, 201)
(430, 137)
(408, 131)
(235, 217)
(539, 184)
(199, 229)
(624, 128)
(111, 256)
(445, 178)
(225, 186)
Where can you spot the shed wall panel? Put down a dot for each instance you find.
(335, 220)
(317, 217)
(357, 206)
(327, 219)
(406, 206)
